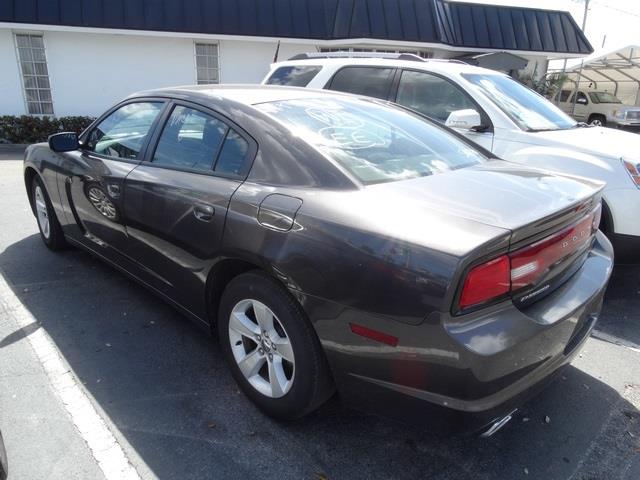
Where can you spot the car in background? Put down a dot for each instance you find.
(333, 242)
(601, 109)
(496, 112)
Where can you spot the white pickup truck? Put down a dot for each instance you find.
(601, 109)
(496, 112)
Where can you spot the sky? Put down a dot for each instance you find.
(615, 23)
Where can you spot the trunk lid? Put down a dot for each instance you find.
(549, 218)
(528, 202)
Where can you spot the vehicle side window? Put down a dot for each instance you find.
(124, 131)
(431, 95)
(190, 139)
(581, 96)
(298, 76)
(233, 154)
(564, 95)
(369, 81)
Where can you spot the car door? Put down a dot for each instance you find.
(581, 111)
(437, 97)
(92, 181)
(177, 199)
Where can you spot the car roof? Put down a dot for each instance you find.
(432, 65)
(244, 94)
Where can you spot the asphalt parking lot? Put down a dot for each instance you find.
(161, 387)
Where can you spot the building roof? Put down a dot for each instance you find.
(463, 25)
(616, 66)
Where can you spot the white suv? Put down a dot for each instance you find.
(496, 112)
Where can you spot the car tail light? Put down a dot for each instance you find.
(526, 266)
(485, 282)
(634, 171)
(530, 263)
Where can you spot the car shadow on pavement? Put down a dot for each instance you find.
(620, 318)
(164, 385)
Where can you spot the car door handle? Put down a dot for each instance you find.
(203, 212)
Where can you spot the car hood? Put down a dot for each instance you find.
(600, 141)
(458, 211)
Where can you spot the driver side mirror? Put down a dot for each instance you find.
(582, 101)
(467, 119)
(64, 142)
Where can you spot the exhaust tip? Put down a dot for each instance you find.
(498, 424)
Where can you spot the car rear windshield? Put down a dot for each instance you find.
(376, 143)
(298, 76)
(529, 110)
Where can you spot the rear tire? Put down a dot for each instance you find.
(48, 225)
(598, 120)
(272, 349)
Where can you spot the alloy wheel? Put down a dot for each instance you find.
(596, 122)
(42, 212)
(100, 201)
(261, 348)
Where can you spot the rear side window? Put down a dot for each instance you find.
(369, 81)
(298, 76)
(233, 154)
(190, 139)
(124, 131)
(194, 140)
(564, 95)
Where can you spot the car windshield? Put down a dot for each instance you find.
(529, 110)
(375, 143)
(603, 97)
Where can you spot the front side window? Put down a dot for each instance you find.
(580, 97)
(35, 75)
(373, 142)
(525, 107)
(369, 81)
(296, 76)
(123, 133)
(431, 95)
(207, 71)
(564, 95)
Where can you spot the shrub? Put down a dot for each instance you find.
(27, 129)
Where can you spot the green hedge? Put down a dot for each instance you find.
(27, 129)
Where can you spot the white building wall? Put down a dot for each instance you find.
(89, 72)
(248, 62)
(11, 96)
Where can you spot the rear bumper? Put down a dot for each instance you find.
(464, 372)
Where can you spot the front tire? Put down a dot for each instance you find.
(597, 121)
(272, 349)
(50, 229)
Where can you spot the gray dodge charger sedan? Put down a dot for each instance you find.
(335, 242)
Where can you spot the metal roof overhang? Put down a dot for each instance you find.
(612, 67)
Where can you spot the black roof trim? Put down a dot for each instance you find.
(456, 24)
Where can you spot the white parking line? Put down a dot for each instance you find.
(103, 445)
